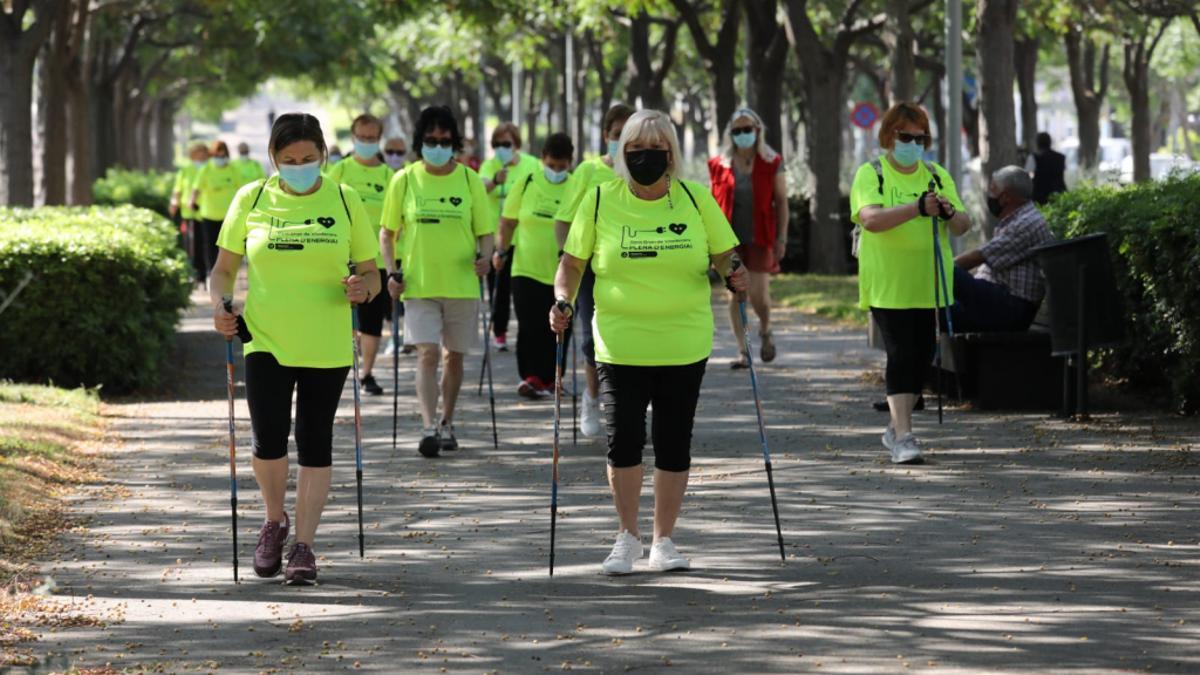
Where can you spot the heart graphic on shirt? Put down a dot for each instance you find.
(677, 228)
(326, 222)
(378, 187)
(456, 200)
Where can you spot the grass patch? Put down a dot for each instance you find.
(831, 296)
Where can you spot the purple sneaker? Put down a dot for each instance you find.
(268, 555)
(301, 567)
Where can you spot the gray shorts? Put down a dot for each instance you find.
(450, 322)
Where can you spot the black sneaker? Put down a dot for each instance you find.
(430, 443)
(446, 432)
(370, 386)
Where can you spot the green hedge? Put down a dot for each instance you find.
(1154, 232)
(147, 189)
(109, 286)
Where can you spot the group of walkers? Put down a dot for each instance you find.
(622, 241)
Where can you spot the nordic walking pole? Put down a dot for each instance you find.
(487, 362)
(358, 470)
(574, 385)
(937, 301)
(945, 285)
(558, 376)
(490, 309)
(762, 430)
(229, 385)
(399, 276)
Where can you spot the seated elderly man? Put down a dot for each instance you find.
(1007, 286)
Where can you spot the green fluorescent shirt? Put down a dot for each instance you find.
(217, 186)
(651, 259)
(370, 182)
(525, 164)
(585, 178)
(185, 182)
(533, 204)
(438, 220)
(298, 248)
(249, 169)
(895, 268)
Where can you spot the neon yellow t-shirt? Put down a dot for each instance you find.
(533, 204)
(249, 169)
(371, 184)
(585, 178)
(297, 248)
(185, 181)
(438, 219)
(217, 186)
(651, 259)
(526, 164)
(895, 268)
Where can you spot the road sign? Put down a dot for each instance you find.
(865, 115)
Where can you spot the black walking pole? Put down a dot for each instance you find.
(574, 385)
(487, 362)
(244, 336)
(358, 466)
(558, 376)
(489, 311)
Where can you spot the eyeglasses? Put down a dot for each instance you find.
(502, 144)
(395, 153)
(911, 138)
(444, 142)
(742, 130)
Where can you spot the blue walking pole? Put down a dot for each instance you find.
(762, 430)
(358, 464)
(229, 385)
(558, 377)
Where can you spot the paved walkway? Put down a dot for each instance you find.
(1024, 544)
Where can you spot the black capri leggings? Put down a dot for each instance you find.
(536, 343)
(269, 389)
(371, 314)
(908, 339)
(625, 391)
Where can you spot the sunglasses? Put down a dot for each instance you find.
(742, 130)
(444, 142)
(911, 138)
(502, 144)
(396, 153)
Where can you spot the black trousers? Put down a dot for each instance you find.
(536, 343)
(501, 285)
(625, 391)
(371, 314)
(195, 250)
(269, 388)
(908, 337)
(206, 245)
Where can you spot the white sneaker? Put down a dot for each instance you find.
(889, 437)
(589, 419)
(907, 450)
(626, 551)
(664, 557)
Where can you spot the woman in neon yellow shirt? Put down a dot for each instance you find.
(216, 184)
(501, 173)
(369, 176)
(587, 176)
(529, 219)
(181, 203)
(297, 231)
(439, 210)
(891, 199)
(651, 239)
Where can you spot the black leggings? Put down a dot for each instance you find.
(500, 283)
(625, 391)
(206, 245)
(908, 339)
(535, 341)
(371, 314)
(269, 389)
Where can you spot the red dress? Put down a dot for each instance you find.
(758, 254)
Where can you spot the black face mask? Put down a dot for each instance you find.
(646, 166)
(993, 205)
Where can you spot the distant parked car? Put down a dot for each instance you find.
(1161, 166)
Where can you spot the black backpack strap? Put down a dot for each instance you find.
(689, 194)
(878, 166)
(262, 184)
(344, 206)
(934, 170)
(596, 213)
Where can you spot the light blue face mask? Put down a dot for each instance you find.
(366, 150)
(197, 163)
(436, 155)
(745, 140)
(221, 161)
(555, 177)
(505, 155)
(612, 148)
(300, 177)
(907, 154)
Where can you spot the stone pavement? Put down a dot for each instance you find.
(1024, 544)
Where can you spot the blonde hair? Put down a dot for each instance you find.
(760, 131)
(647, 126)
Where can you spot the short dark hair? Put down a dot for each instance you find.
(558, 146)
(436, 117)
(367, 118)
(294, 128)
(618, 113)
(1043, 140)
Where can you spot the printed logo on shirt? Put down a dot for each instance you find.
(649, 242)
(432, 210)
(546, 208)
(287, 235)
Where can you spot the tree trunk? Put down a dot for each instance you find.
(970, 117)
(646, 79)
(1136, 73)
(940, 116)
(16, 123)
(996, 20)
(900, 40)
(79, 120)
(767, 56)
(53, 113)
(1025, 63)
(826, 115)
(164, 135)
(1087, 93)
(530, 108)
